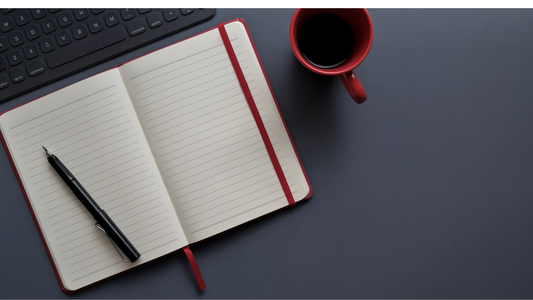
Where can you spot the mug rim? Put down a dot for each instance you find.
(337, 70)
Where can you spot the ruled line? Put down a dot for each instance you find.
(67, 113)
(181, 83)
(179, 92)
(225, 171)
(235, 215)
(153, 240)
(140, 221)
(95, 263)
(114, 158)
(232, 192)
(235, 207)
(203, 131)
(101, 155)
(202, 116)
(77, 134)
(219, 141)
(99, 270)
(115, 174)
(195, 102)
(133, 200)
(206, 154)
(116, 190)
(146, 227)
(159, 246)
(87, 258)
(175, 61)
(206, 122)
(151, 233)
(175, 70)
(224, 187)
(135, 207)
(231, 200)
(81, 124)
(121, 196)
(87, 242)
(65, 211)
(140, 213)
(63, 106)
(224, 163)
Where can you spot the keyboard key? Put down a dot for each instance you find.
(79, 31)
(35, 68)
(22, 18)
(38, 13)
(3, 63)
(65, 19)
(91, 45)
(16, 38)
(136, 27)
(170, 14)
(17, 75)
(34, 40)
(186, 11)
(3, 44)
(3, 81)
(47, 44)
(7, 10)
(111, 19)
(127, 14)
(14, 57)
(49, 25)
(31, 51)
(6, 24)
(154, 19)
(81, 14)
(95, 25)
(63, 38)
(32, 32)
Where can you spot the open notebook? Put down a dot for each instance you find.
(168, 146)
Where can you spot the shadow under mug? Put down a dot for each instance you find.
(361, 24)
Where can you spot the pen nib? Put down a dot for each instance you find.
(47, 152)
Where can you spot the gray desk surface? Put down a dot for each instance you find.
(425, 190)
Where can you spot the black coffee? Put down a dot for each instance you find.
(326, 40)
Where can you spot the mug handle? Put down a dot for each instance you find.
(354, 86)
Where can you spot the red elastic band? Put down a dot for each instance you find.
(195, 268)
(255, 113)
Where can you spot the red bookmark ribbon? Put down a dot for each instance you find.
(256, 115)
(195, 268)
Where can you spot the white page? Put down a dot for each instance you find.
(203, 135)
(92, 128)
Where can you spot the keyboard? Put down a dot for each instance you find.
(39, 46)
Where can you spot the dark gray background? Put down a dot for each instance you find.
(425, 190)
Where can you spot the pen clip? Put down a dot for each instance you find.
(112, 243)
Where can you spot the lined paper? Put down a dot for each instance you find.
(92, 127)
(203, 135)
(166, 144)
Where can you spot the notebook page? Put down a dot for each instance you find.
(271, 117)
(92, 128)
(203, 135)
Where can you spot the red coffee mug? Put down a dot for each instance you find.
(361, 24)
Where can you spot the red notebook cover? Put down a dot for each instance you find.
(186, 249)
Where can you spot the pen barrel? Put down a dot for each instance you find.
(117, 236)
(99, 215)
(60, 168)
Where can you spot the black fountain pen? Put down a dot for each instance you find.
(104, 222)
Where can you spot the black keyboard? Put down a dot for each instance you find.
(38, 46)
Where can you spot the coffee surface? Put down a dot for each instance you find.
(326, 40)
